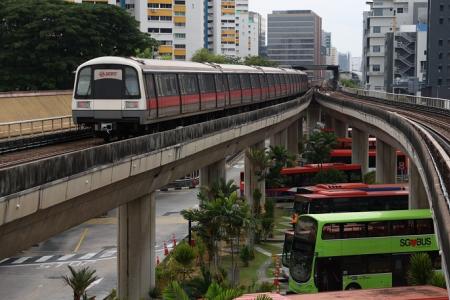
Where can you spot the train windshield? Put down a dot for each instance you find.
(108, 82)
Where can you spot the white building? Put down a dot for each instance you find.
(384, 16)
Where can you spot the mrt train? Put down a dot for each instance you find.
(116, 95)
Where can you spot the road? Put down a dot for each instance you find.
(36, 273)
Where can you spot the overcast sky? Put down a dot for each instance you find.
(343, 18)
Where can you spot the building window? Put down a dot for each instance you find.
(180, 24)
(441, 21)
(440, 81)
(441, 7)
(376, 29)
(153, 18)
(400, 10)
(376, 49)
(166, 30)
(441, 43)
(376, 68)
(440, 56)
(180, 46)
(180, 2)
(439, 69)
(180, 35)
(153, 5)
(165, 5)
(153, 30)
(165, 18)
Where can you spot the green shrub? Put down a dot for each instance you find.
(265, 287)
(329, 176)
(246, 255)
(369, 178)
(438, 280)
(420, 269)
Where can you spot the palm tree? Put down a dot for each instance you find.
(79, 281)
(420, 269)
(184, 255)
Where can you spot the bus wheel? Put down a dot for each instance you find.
(353, 286)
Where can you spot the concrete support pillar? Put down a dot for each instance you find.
(279, 139)
(136, 250)
(292, 138)
(417, 194)
(360, 149)
(312, 117)
(300, 129)
(212, 173)
(251, 180)
(386, 163)
(340, 128)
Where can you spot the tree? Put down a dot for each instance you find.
(174, 292)
(204, 55)
(279, 158)
(259, 61)
(43, 41)
(420, 269)
(319, 146)
(146, 53)
(246, 255)
(184, 255)
(79, 281)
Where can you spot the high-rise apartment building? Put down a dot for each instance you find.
(438, 49)
(384, 16)
(295, 38)
(344, 60)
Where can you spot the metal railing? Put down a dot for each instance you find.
(9, 130)
(439, 103)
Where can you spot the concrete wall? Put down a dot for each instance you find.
(29, 106)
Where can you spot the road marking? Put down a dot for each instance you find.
(44, 258)
(83, 236)
(88, 256)
(3, 260)
(66, 257)
(20, 260)
(108, 253)
(95, 283)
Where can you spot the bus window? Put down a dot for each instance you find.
(378, 264)
(331, 232)
(405, 227)
(377, 229)
(320, 207)
(354, 230)
(424, 226)
(354, 265)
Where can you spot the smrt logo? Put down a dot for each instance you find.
(418, 242)
(107, 74)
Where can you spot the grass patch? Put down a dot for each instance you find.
(249, 274)
(274, 248)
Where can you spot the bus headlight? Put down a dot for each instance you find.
(84, 104)
(131, 104)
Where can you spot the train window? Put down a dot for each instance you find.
(151, 92)
(255, 81)
(263, 80)
(166, 84)
(270, 80)
(245, 81)
(207, 83)
(84, 82)
(234, 82)
(220, 82)
(277, 79)
(188, 84)
(131, 83)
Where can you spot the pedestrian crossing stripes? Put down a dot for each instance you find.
(29, 260)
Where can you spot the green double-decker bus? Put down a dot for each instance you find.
(359, 250)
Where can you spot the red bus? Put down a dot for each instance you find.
(346, 143)
(304, 175)
(335, 201)
(351, 186)
(345, 156)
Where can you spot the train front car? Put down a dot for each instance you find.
(109, 96)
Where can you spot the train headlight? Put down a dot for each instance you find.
(83, 104)
(131, 104)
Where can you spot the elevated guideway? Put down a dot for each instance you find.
(420, 127)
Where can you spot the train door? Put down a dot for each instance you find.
(190, 97)
(256, 88)
(264, 87)
(235, 89)
(246, 87)
(208, 93)
(222, 91)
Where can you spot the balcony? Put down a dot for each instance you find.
(375, 73)
(375, 54)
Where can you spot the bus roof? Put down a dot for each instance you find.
(424, 292)
(348, 152)
(332, 194)
(350, 186)
(315, 168)
(371, 215)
